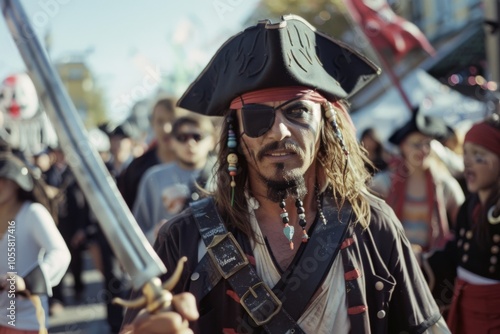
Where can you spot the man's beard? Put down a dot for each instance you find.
(288, 183)
(293, 185)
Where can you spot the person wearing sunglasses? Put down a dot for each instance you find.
(165, 189)
(290, 240)
(160, 152)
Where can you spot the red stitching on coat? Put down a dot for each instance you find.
(356, 309)
(233, 295)
(347, 242)
(251, 259)
(351, 275)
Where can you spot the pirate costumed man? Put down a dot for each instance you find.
(290, 240)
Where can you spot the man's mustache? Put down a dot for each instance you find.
(282, 145)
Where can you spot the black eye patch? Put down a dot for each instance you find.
(259, 118)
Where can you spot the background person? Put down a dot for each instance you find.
(423, 194)
(373, 145)
(40, 247)
(73, 214)
(121, 147)
(164, 189)
(475, 250)
(162, 119)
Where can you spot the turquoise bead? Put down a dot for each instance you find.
(288, 231)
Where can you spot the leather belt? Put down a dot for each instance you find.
(260, 302)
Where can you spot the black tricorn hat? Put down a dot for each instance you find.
(431, 126)
(288, 53)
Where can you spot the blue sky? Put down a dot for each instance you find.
(128, 43)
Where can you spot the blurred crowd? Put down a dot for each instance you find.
(157, 174)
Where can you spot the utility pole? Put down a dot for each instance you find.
(492, 37)
(47, 39)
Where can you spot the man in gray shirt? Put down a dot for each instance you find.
(164, 189)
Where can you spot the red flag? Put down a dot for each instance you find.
(385, 29)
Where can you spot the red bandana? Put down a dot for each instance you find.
(485, 135)
(285, 94)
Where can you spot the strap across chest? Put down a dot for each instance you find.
(276, 310)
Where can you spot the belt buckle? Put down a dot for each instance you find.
(227, 255)
(261, 303)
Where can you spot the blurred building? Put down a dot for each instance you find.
(444, 18)
(83, 90)
(456, 28)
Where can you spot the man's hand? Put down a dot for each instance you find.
(174, 197)
(170, 322)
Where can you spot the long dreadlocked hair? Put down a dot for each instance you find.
(347, 178)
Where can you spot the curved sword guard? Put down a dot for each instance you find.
(154, 295)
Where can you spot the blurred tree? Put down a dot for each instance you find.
(80, 84)
(327, 16)
(83, 90)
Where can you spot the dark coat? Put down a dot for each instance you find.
(390, 295)
(128, 181)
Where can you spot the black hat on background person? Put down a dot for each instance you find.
(431, 126)
(124, 130)
(291, 53)
(120, 131)
(14, 169)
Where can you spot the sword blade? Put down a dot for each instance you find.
(122, 231)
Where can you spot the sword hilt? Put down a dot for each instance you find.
(155, 296)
